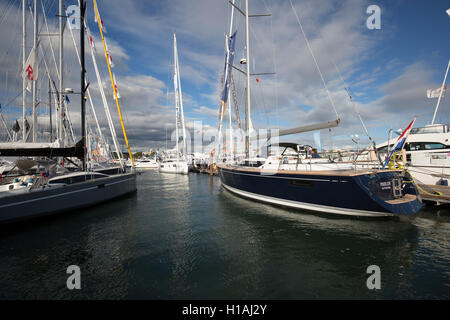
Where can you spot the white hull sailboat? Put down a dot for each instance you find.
(145, 163)
(177, 165)
(174, 166)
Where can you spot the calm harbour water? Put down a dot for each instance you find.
(185, 237)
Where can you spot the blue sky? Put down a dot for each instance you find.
(387, 70)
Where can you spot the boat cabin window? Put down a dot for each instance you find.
(433, 129)
(430, 146)
(415, 146)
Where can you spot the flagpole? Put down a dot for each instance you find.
(440, 94)
(99, 21)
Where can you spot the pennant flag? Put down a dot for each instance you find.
(227, 72)
(109, 56)
(434, 93)
(67, 99)
(400, 142)
(257, 79)
(30, 72)
(115, 86)
(0, 106)
(27, 125)
(91, 41)
(91, 38)
(101, 22)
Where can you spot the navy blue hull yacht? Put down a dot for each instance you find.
(345, 192)
(304, 182)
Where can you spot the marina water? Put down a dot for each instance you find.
(185, 237)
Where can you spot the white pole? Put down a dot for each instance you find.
(61, 97)
(175, 88)
(181, 104)
(105, 104)
(35, 31)
(440, 94)
(247, 124)
(24, 83)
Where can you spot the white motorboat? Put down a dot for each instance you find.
(146, 163)
(174, 166)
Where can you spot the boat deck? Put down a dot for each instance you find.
(342, 172)
(406, 198)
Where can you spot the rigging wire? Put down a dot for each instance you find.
(314, 58)
(354, 104)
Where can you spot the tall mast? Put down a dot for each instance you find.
(83, 82)
(440, 94)
(24, 82)
(50, 107)
(247, 106)
(99, 22)
(105, 104)
(229, 85)
(180, 99)
(60, 67)
(35, 31)
(175, 89)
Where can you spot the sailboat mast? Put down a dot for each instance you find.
(440, 94)
(60, 100)
(113, 82)
(35, 31)
(247, 106)
(180, 95)
(175, 89)
(83, 82)
(229, 86)
(50, 107)
(24, 83)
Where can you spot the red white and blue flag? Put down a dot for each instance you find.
(399, 144)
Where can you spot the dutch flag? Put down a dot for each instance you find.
(400, 142)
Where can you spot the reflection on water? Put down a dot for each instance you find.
(184, 237)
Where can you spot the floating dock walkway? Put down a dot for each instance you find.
(437, 194)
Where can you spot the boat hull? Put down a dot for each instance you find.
(348, 194)
(174, 167)
(30, 204)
